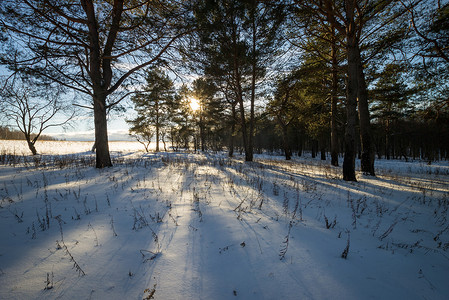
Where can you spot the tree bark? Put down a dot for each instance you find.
(334, 99)
(101, 74)
(242, 119)
(31, 146)
(239, 94)
(350, 135)
(323, 148)
(300, 146)
(367, 159)
(103, 158)
(314, 148)
(351, 97)
(387, 139)
(231, 136)
(157, 124)
(202, 133)
(249, 154)
(287, 151)
(165, 144)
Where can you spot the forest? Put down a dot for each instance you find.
(291, 149)
(357, 79)
(8, 134)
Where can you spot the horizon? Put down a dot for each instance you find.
(89, 136)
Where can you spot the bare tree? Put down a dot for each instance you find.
(143, 133)
(93, 47)
(32, 112)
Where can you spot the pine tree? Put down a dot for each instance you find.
(390, 101)
(151, 105)
(236, 42)
(283, 109)
(209, 114)
(362, 23)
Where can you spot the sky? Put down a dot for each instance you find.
(82, 129)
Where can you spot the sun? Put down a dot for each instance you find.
(194, 104)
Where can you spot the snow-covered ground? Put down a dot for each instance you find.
(203, 226)
(66, 147)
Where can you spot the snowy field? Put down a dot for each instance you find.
(203, 226)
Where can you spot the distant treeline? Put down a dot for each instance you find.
(11, 134)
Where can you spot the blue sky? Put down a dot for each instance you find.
(83, 130)
(81, 127)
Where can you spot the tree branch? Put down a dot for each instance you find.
(127, 74)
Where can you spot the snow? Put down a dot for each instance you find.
(203, 226)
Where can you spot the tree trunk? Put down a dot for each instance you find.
(367, 161)
(350, 134)
(31, 145)
(243, 122)
(231, 137)
(157, 137)
(334, 99)
(163, 142)
(157, 125)
(239, 94)
(351, 95)
(103, 158)
(387, 140)
(323, 148)
(314, 149)
(287, 151)
(195, 143)
(300, 146)
(249, 155)
(231, 143)
(202, 134)
(101, 75)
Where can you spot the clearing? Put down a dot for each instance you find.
(203, 226)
